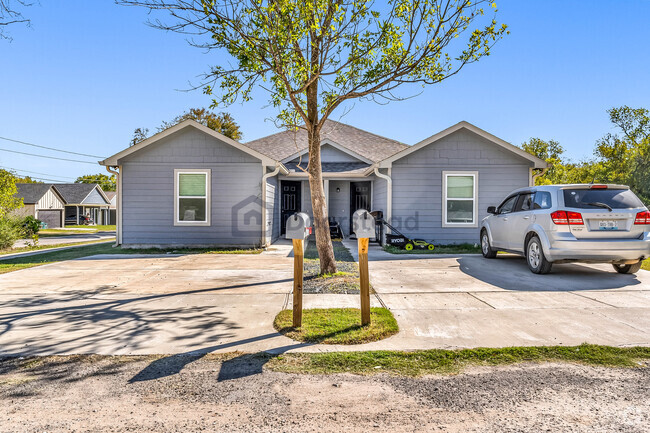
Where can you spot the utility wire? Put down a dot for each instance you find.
(36, 172)
(51, 148)
(50, 180)
(48, 157)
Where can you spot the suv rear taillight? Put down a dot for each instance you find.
(563, 218)
(642, 218)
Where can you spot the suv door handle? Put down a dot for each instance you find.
(526, 217)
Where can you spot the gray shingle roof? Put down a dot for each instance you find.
(75, 193)
(32, 192)
(371, 146)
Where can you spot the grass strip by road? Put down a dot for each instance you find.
(646, 265)
(337, 325)
(439, 249)
(425, 362)
(75, 230)
(18, 263)
(413, 364)
(49, 247)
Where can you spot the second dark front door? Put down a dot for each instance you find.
(289, 201)
(359, 198)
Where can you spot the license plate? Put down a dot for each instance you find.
(608, 225)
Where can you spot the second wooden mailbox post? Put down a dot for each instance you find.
(363, 225)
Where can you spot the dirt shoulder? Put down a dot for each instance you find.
(192, 393)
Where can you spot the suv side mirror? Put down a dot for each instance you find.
(492, 210)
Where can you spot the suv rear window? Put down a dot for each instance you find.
(614, 198)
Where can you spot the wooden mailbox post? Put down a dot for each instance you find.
(298, 228)
(364, 228)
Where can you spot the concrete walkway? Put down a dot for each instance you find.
(143, 304)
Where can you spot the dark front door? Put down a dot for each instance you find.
(359, 198)
(290, 201)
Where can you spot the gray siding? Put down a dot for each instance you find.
(379, 194)
(417, 184)
(94, 198)
(148, 193)
(306, 200)
(272, 209)
(340, 204)
(329, 153)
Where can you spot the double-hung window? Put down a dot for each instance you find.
(459, 198)
(192, 197)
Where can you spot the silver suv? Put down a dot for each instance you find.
(570, 223)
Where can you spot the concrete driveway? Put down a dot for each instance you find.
(126, 304)
(469, 301)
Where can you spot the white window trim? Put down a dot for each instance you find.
(445, 175)
(208, 196)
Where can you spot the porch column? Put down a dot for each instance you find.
(326, 187)
(77, 207)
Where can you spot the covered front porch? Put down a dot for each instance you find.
(345, 192)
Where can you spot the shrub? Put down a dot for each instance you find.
(31, 226)
(10, 231)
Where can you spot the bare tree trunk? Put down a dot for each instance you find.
(319, 206)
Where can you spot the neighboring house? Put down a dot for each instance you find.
(43, 202)
(112, 208)
(190, 185)
(84, 199)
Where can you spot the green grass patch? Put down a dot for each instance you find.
(439, 249)
(646, 265)
(103, 247)
(49, 247)
(426, 362)
(337, 325)
(100, 228)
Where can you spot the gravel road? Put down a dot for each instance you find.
(190, 394)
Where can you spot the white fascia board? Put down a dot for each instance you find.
(537, 162)
(113, 160)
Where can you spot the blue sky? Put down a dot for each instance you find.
(87, 73)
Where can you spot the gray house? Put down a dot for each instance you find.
(42, 201)
(209, 190)
(84, 199)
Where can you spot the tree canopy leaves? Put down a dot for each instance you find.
(8, 190)
(223, 123)
(622, 158)
(108, 183)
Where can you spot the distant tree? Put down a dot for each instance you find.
(223, 123)
(140, 134)
(108, 183)
(10, 14)
(26, 179)
(550, 151)
(626, 158)
(8, 190)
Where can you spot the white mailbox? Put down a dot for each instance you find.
(298, 226)
(363, 224)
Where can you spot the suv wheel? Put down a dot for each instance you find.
(628, 269)
(486, 248)
(535, 257)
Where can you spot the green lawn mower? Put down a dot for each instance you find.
(398, 239)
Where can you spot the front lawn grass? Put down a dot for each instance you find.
(99, 228)
(441, 361)
(49, 247)
(103, 247)
(646, 265)
(337, 325)
(439, 249)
